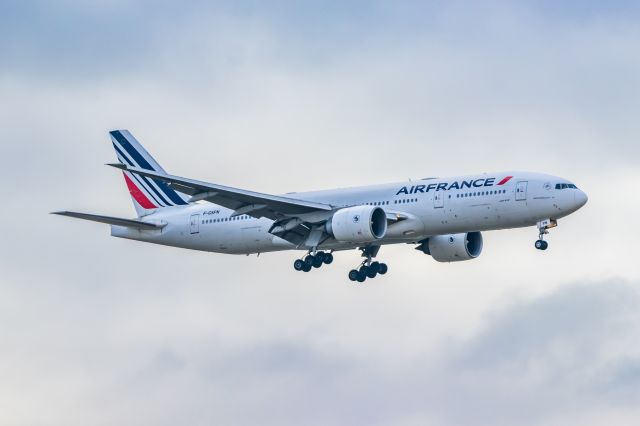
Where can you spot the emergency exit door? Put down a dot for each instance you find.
(521, 191)
(194, 223)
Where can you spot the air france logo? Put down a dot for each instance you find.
(445, 186)
(356, 218)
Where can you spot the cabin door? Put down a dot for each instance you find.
(521, 191)
(194, 223)
(438, 200)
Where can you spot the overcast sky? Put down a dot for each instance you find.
(286, 97)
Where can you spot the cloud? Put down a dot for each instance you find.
(551, 357)
(285, 97)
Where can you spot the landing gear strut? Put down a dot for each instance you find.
(543, 229)
(367, 268)
(313, 261)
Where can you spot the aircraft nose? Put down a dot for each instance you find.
(580, 198)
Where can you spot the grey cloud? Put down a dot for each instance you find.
(544, 359)
(95, 327)
(580, 314)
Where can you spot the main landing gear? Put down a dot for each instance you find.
(313, 261)
(368, 269)
(543, 229)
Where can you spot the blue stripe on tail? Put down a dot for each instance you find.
(151, 191)
(144, 164)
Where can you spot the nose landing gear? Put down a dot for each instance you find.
(541, 244)
(543, 229)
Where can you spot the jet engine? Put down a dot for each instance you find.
(453, 247)
(358, 224)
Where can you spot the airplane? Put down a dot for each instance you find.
(442, 217)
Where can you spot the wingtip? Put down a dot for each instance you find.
(117, 165)
(116, 131)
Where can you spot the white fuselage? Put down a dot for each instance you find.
(429, 207)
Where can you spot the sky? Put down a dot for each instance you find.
(293, 96)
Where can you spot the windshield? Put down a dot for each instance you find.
(565, 186)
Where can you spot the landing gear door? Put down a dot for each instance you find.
(194, 223)
(438, 200)
(521, 191)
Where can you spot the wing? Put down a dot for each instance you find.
(110, 220)
(252, 203)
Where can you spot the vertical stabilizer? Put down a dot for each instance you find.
(148, 194)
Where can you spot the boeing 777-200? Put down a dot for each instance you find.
(443, 217)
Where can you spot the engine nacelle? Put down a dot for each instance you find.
(358, 224)
(453, 247)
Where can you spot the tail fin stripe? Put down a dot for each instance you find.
(140, 186)
(148, 187)
(173, 196)
(138, 195)
(135, 155)
(144, 164)
(123, 158)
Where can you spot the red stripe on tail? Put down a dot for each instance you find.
(505, 180)
(138, 195)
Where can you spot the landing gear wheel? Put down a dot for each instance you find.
(353, 275)
(298, 265)
(308, 261)
(541, 245)
(371, 271)
(306, 267)
(382, 268)
(361, 277)
(328, 258)
(317, 261)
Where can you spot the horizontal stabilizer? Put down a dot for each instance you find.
(110, 220)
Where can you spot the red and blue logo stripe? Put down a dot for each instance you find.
(149, 193)
(505, 180)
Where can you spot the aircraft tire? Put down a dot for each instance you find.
(371, 272)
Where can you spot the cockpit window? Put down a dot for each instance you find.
(565, 186)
